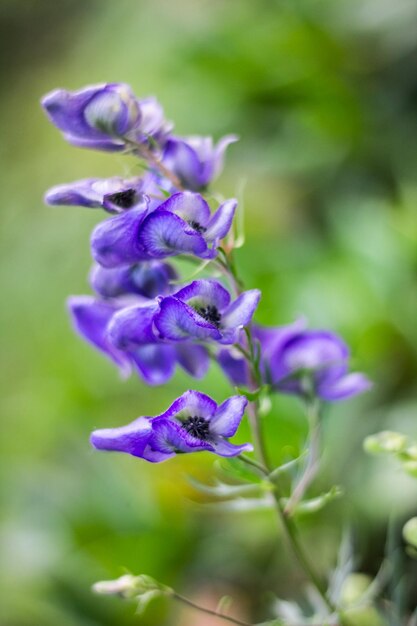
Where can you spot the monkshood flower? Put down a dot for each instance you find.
(107, 117)
(98, 116)
(203, 310)
(154, 361)
(183, 224)
(195, 160)
(148, 279)
(313, 362)
(115, 195)
(299, 361)
(193, 423)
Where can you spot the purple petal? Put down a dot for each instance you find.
(91, 318)
(155, 363)
(225, 448)
(132, 326)
(109, 193)
(193, 358)
(181, 159)
(241, 311)
(345, 387)
(221, 222)
(191, 207)
(178, 321)
(168, 437)
(189, 404)
(78, 193)
(131, 439)
(148, 279)
(228, 416)
(165, 234)
(314, 350)
(234, 365)
(153, 456)
(94, 117)
(115, 241)
(203, 293)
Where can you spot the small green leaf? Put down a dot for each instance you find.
(222, 490)
(315, 504)
(250, 395)
(410, 467)
(238, 470)
(384, 442)
(410, 532)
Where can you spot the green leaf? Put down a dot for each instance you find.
(238, 470)
(410, 532)
(250, 395)
(385, 442)
(222, 490)
(313, 505)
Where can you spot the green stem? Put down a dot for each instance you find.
(202, 609)
(254, 418)
(146, 153)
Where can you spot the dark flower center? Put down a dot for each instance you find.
(198, 227)
(123, 199)
(197, 427)
(211, 314)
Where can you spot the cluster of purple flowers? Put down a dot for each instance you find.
(140, 317)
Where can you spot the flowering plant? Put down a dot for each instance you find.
(147, 319)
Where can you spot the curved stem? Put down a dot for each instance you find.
(254, 418)
(146, 153)
(202, 609)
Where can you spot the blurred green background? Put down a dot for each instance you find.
(324, 97)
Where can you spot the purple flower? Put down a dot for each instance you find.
(306, 362)
(152, 360)
(195, 160)
(182, 224)
(148, 279)
(193, 423)
(153, 123)
(298, 361)
(99, 116)
(115, 195)
(203, 310)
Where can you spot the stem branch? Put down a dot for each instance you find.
(202, 609)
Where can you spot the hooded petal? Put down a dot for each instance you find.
(189, 404)
(191, 207)
(221, 222)
(204, 293)
(193, 358)
(132, 326)
(345, 387)
(155, 363)
(131, 439)
(91, 319)
(181, 159)
(318, 351)
(178, 321)
(228, 416)
(225, 448)
(241, 311)
(114, 242)
(165, 234)
(94, 117)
